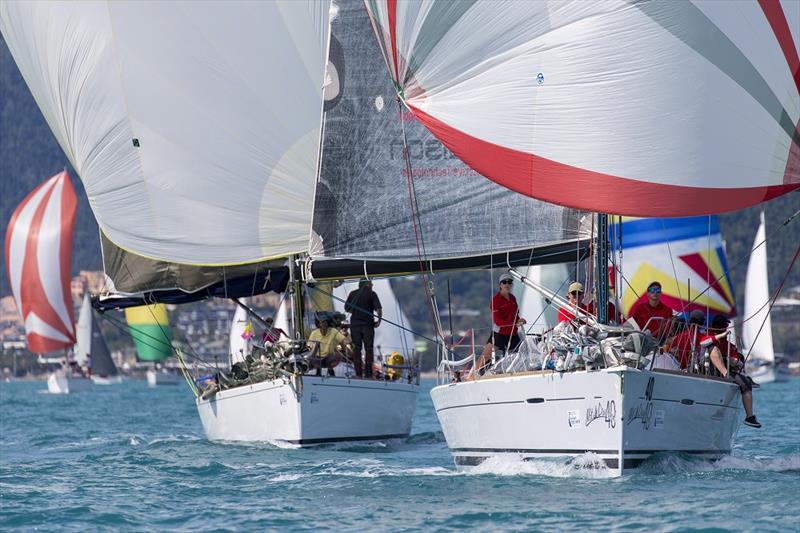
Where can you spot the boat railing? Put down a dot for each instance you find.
(569, 347)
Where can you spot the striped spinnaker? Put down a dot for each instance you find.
(38, 252)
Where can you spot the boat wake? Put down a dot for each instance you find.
(588, 465)
(670, 463)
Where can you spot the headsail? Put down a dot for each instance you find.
(685, 255)
(756, 298)
(194, 126)
(38, 253)
(636, 108)
(149, 327)
(91, 342)
(363, 208)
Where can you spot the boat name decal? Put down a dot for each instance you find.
(643, 412)
(608, 413)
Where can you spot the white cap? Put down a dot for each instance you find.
(505, 277)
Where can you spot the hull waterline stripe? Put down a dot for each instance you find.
(579, 451)
(331, 440)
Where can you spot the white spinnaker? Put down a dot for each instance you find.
(388, 336)
(83, 348)
(224, 101)
(756, 296)
(238, 345)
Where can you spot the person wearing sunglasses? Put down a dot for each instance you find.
(505, 321)
(575, 299)
(653, 308)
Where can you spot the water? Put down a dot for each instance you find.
(129, 458)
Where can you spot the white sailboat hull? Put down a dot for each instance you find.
(155, 378)
(623, 415)
(318, 410)
(107, 380)
(60, 383)
(763, 373)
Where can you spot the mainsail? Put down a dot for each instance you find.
(685, 255)
(38, 253)
(363, 206)
(634, 108)
(91, 343)
(149, 327)
(756, 298)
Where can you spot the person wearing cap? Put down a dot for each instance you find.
(684, 344)
(652, 313)
(505, 321)
(271, 334)
(364, 306)
(574, 297)
(328, 347)
(729, 363)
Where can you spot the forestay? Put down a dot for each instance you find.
(637, 108)
(38, 252)
(363, 202)
(194, 126)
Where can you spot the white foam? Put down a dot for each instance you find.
(589, 466)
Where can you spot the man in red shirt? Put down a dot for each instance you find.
(728, 362)
(505, 321)
(683, 345)
(655, 309)
(574, 297)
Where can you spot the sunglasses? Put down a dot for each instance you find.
(576, 293)
(506, 282)
(654, 290)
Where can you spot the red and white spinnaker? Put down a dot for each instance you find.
(39, 260)
(635, 108)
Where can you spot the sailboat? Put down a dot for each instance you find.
(91, 349)
(553, 101)
(38, 252)
(535, 97)
(757, 326)
(151, 333)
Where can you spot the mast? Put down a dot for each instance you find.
(296, 296)
(601, 268)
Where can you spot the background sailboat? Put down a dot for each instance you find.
(757, 326)
(149, 327)
(91, 346)
(38, 250)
